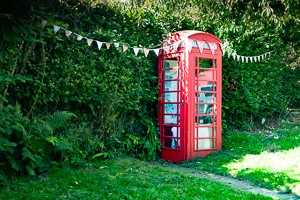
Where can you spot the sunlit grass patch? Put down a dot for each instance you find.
(270, 158)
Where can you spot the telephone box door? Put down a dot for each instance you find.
(170, 108)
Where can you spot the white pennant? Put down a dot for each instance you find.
(246, 59)
(255, 59)
(258, 58)
(99, 44)
(200, 46)
(269, 54)
(79, 37)
(68, 33)
(232, 56)
(117, 44)
(262, 57)
(146, 52)
(56, 28)
(212, 48)
(89, 41)
(242, 58)
(251, 59)
(136, 51)
(238, 57)
(224, 52)
(228, 55)
(156, 51)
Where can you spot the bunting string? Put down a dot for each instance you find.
(166, 48)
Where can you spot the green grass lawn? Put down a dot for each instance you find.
(119, 178)
(270, 158)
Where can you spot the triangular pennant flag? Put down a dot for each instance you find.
(125, 48)
(224, 52)
(269, 54)
(238, 57)
(263, 57)
(136, 51)
(56, 28)
(258, 58)
(228, 55)
(68, 33)
(89, 41)
(44, 22)
(176, 46)
(254, 58)
(233, 57)
(189, 46)
(107, 45)
(251, 59)
(212, 48)
(200, 46)
(79, 37)
(156, 51)
(117, 44)
(99, 44)
(246, 59)
(146, 52)
(242, 58)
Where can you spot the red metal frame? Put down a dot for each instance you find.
(180, 118)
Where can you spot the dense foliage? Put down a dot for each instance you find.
(113, 94)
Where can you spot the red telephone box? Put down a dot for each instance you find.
(190, 95)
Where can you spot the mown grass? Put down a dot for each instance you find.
(119, 178)
(268, 158)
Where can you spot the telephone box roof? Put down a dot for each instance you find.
(192, 34)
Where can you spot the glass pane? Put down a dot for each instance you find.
(171, 74)
(201, 132)
(170, 108)
(170, 85)
(171, 97)
(205, 63)
(170, 119)
(205, 121)
(170, 63)
(205, 97)
(204, 144)
(205, 109)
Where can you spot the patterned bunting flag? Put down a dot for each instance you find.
(44, 22)
(125, 48)
(212, 48)
(233, 57)
(255, 59)
(117, 44)
(251, 59)
(56, 28)
(99, 44)
(68, 33)
(246, 59)
(176, 46)
(242, 58)
(89, 41)
(200, 46)
(258, 57)
(238, 57)
(136, 51)
(263, 57)
(107, 45)
(79, 37)
(146, 52)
